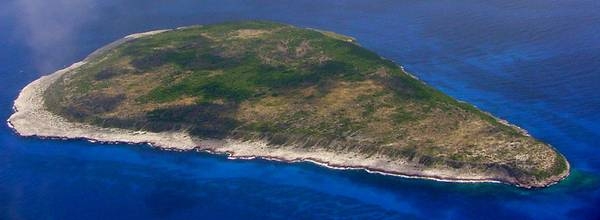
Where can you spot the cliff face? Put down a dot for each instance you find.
(296, 89)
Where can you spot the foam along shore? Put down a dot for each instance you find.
(31, 118)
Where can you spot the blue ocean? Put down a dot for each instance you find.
(535, 63)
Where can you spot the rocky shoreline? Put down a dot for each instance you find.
(31, 119)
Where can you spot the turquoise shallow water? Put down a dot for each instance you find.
(535, 63)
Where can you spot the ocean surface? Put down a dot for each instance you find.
(535, 63)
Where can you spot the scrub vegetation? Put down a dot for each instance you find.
(291, 86)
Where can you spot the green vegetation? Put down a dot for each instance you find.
(275, 82)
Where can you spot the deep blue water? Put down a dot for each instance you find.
(535, 63)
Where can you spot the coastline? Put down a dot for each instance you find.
(31, 119)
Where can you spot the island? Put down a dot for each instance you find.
(258, 89)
